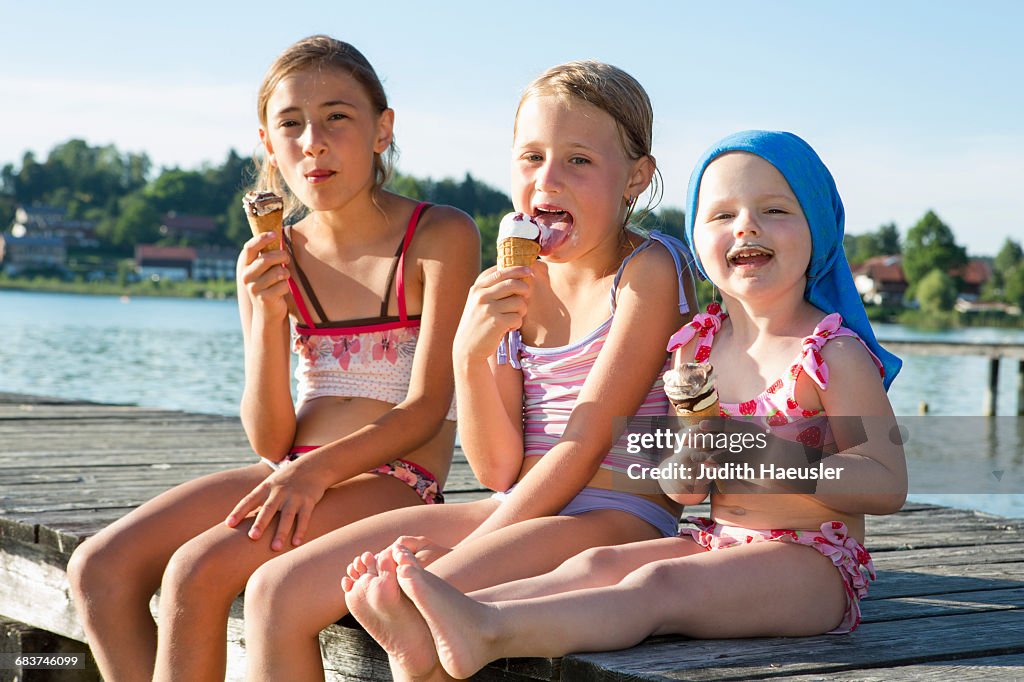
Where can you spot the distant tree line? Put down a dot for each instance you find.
(119, 192)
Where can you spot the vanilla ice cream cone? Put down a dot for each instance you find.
(517, 251)
(265, 212)
(518, 241)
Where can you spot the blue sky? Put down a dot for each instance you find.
(913, 105)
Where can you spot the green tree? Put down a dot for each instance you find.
(236, 225)
(1013, 292)
(936, 292)
(930, 246)
(887, 240)
(137, 222)
(883, 242)
(670, 221)
(488, 225)
(406, 185)
(1009, 257)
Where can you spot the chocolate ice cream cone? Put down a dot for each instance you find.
(265, 212)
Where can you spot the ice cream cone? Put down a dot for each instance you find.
(265, 212)
(514, 251)
(691, 390)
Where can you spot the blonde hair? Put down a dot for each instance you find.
(618, 94)
(320, 52)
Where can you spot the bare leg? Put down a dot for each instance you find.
(595, 567)
(207, 573)
(289, 601)
(797, 592)
(114, 574)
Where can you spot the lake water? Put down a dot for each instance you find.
(187, 355)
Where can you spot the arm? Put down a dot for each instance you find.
(490, 396)
(874, 476)
(268, 415)
(631, 360)
(448, 252)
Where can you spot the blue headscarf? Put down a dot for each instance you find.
(829, 280)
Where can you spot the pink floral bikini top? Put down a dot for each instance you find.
(776, 407)
(366, 358)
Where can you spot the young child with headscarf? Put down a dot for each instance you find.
(798, 366)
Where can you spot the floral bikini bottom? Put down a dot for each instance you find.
(850, 557)
(410, 473)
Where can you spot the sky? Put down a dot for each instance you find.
(914, 105)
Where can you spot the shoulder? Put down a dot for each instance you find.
(445, 233)
(848, 360)
(447, 222)
(650, 267)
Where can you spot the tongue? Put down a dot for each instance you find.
(554, 228)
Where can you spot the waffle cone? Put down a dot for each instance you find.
(513, 251)
(270, 222)
(711, 410)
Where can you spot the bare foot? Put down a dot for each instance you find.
(461, 626)
(375, 600)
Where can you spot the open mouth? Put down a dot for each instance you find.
(555, 225)
(750, 255)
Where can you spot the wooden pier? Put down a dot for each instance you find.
(995, 352)
(947, 603)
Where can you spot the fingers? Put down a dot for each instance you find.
(495, 283)
(301, 525)
(295, 514)
(263, 519)
(246, 505)
(251, 249)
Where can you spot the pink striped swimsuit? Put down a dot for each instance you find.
(553, 378)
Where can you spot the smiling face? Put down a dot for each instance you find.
(571, 173)
(750, 232)
(321, 133)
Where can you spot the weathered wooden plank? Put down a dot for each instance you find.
(889, 644)
(921, 582)
(901, 608)
(1009, 668)
(938, 557)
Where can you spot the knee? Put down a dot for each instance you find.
(198, 571)
(669, 591)
(94, 571)
(266, 593)
(596, 561)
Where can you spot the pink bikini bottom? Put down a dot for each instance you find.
(849, 556)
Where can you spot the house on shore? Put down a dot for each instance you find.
(52, 222)
(164, 262)
(26, 255)
(880, 280)
(179, 263)
(195, 228)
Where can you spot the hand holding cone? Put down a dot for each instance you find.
(265, 212)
